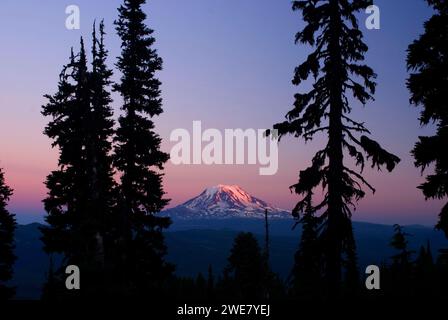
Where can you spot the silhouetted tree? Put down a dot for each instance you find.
(246, 267)
(137, 154)
(266, 237)
(102, 186)
(442, 272)
(401, 268)
(350, 263)
(53, 287)
(306, 273)
(66, 186)
(201, 287)
(425, 272)
(7, 228)
(273, 287)
(428, 61)
(400, 243)
(331, 28)
(81, 198)
(225, 286)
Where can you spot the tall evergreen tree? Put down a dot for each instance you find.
(138, 156)
(428, 62)
(102, 187)
(246, 267)
(65, 196)
(80, 200)
(7, 228)
(332, 29)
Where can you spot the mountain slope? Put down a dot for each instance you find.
(225, 201)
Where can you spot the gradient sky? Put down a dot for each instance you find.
(228, 63)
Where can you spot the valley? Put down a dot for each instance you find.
(193, 245)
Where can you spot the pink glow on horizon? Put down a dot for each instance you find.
(396, 197)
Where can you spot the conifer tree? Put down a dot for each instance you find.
(401, 268)
(400, 243)
(225, 285)
(64, 196)
(350, 263)
(80, 197)
(102, 188)
(428, 61)
(425, 272)
(306, 273)
(442, 272)
(331, 28)
(200, 287)
(246, 267)
(137, 155)
(69, 230)
(7, 228)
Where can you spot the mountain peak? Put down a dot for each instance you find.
(234, 191)
(225, 201)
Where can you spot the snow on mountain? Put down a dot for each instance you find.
(225, 201)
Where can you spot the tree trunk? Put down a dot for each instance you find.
(333, 245)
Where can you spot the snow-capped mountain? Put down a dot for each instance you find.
(224, 201)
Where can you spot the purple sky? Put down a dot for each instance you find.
(227, 63)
